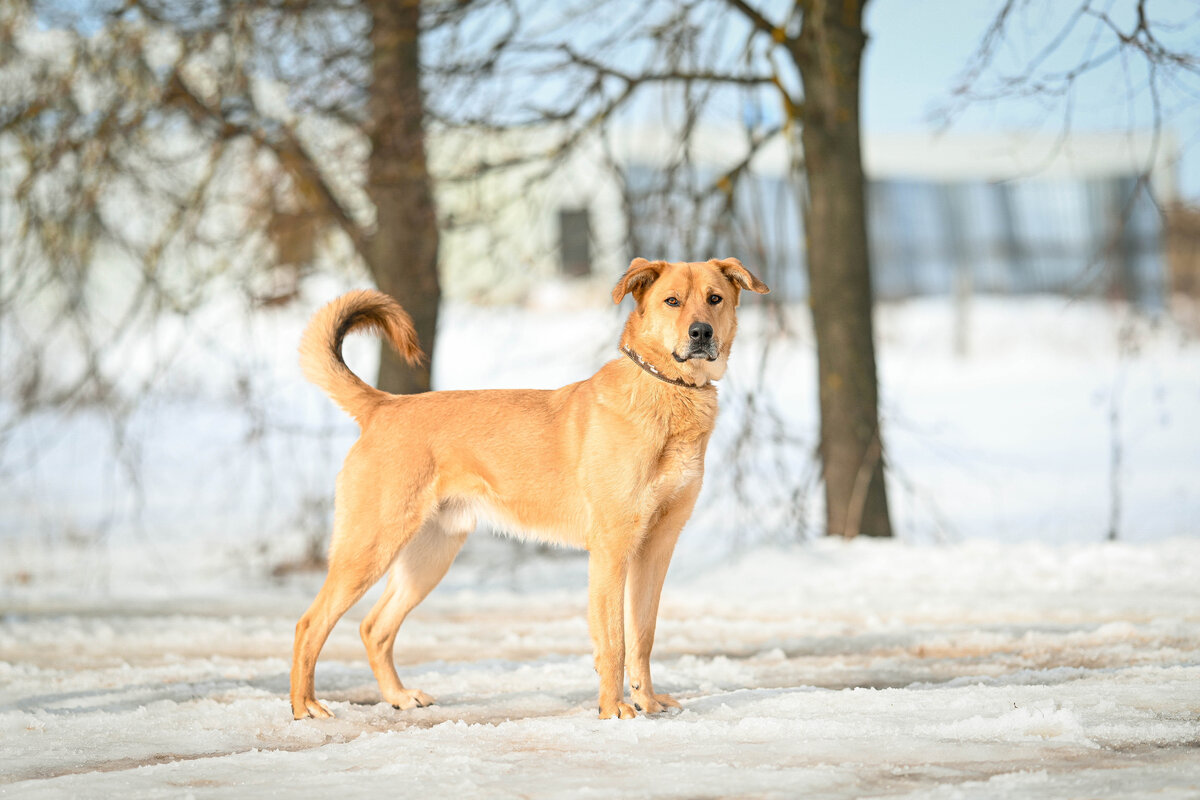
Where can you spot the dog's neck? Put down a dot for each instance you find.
(653, 370)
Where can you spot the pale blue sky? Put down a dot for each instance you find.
(919, 48)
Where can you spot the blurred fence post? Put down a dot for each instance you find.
(951, 199)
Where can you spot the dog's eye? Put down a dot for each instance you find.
(713, 299)
(672, 301)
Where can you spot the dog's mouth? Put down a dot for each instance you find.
(702, 353)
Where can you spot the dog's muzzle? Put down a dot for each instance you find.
(700, 343)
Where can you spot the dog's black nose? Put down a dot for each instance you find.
(701, 332)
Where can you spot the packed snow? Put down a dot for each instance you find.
(999, 648)
(831, 670)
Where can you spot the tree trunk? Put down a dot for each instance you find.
(402, 252)
(828, 52)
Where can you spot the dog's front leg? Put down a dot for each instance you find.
(643, 587)
(606, 619)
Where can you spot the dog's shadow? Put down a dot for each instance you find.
(491, 709)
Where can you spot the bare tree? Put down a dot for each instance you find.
(170, 173)
(192, 143)
(708, 62)
(403, 249)
(1047, 54)
(796, 65)
(828, 53)
(1064, 46)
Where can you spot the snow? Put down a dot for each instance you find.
(830, 670)
(998, 648)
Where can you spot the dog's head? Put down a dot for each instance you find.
(686, 315)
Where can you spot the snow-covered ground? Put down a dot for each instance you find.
(975, 670)
(1000, 648)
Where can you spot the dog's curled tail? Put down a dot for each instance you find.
(321, 346)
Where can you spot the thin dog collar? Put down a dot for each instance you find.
(635, 358)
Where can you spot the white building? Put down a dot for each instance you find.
(1004, 212)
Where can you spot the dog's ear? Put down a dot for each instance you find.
(732, 269)
(637, 279)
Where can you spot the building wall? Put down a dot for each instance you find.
(940, 219)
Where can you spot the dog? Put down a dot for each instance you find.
(612, 464)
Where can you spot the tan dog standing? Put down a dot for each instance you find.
(612, 464)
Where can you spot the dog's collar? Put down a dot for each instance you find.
(652, 370)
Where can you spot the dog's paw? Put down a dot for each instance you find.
(408, 698)
(654, 703)
(619, 710)
(310, 707)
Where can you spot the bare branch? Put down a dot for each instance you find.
(291, 152)
(778, 33)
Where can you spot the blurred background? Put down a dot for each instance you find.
(980, 220)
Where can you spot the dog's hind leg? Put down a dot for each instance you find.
(418, 567)
(357, 559)
(341, 590)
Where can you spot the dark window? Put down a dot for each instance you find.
(575, 242)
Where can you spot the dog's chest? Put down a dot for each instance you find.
(680, 461)
(679, 464)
